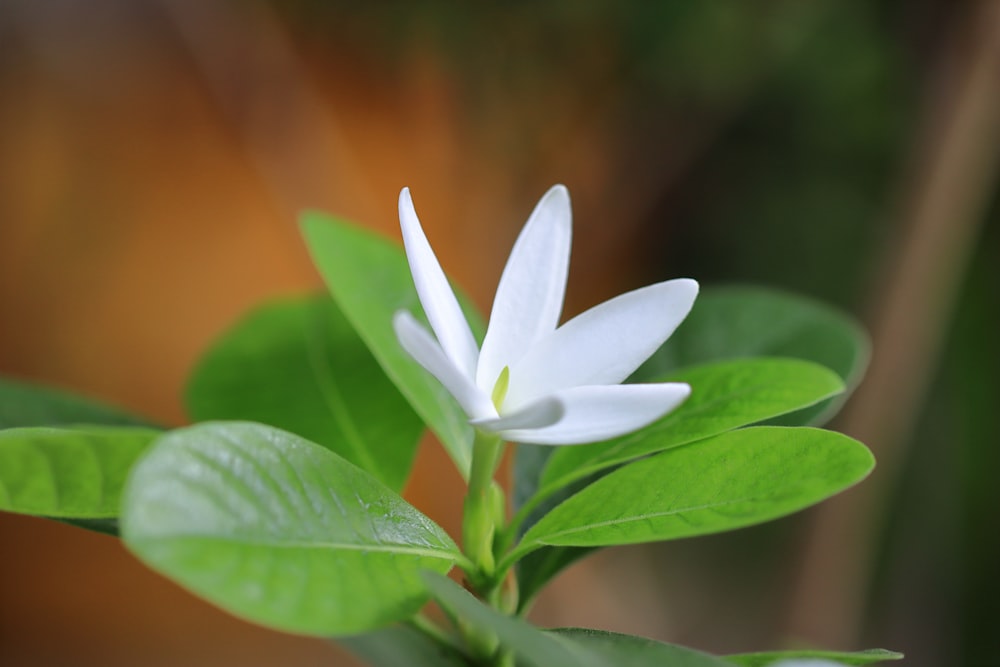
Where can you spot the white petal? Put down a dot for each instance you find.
(603, 345)
(529, 298)
(420, 345)
(593, 414)
(539, 414)
(436, 296)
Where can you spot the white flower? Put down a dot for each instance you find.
(533, 382)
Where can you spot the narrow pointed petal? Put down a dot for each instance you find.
(593, 414)
(420, 345)
(603, 345)
(539, 414)
(529, 297)
(436, 296)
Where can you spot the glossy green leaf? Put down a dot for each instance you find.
(74, 475)
(744, 321)
(297, 364)
(733, 480)
(280, 531)
(739, 322)
(869, 657)
(618, 650)
(726, 323)
(402, 645)
(724, 395)
(27, 404)
(370, 280)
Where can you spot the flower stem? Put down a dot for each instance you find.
(479, 515)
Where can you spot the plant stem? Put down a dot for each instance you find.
(423, 624)
(479, 515)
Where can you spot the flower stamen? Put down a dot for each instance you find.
(500, 388)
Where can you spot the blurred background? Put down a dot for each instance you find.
(154, 155)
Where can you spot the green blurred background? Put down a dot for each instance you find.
(154, 155)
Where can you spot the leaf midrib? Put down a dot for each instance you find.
(644, 517)
(613, 455)
(549, 484)
(327, 385)
(303, 545)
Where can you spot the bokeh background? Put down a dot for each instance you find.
(154, 155)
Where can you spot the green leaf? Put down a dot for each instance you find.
(26, 404)
(528, 643)
(297, 364)
(868, 657)
(538, 567)
(58, 464)
(74, 475)
(564, 647)
(736, 479)
(280, 531)
(724, 395)
(529, 461)
(743, 321)
(402, 645)
(618, 650)
(370, 280)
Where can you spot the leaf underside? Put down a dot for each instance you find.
(71, 474)
(370, 280)
(297, 364)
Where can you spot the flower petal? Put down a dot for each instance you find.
(603, 345)
(597, 413)
(436, 296)
(529, 297)
(420, 345)
(541, 413)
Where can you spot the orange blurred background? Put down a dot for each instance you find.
(155, 158)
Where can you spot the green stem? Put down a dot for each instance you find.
(428, 627)
(479, 512)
